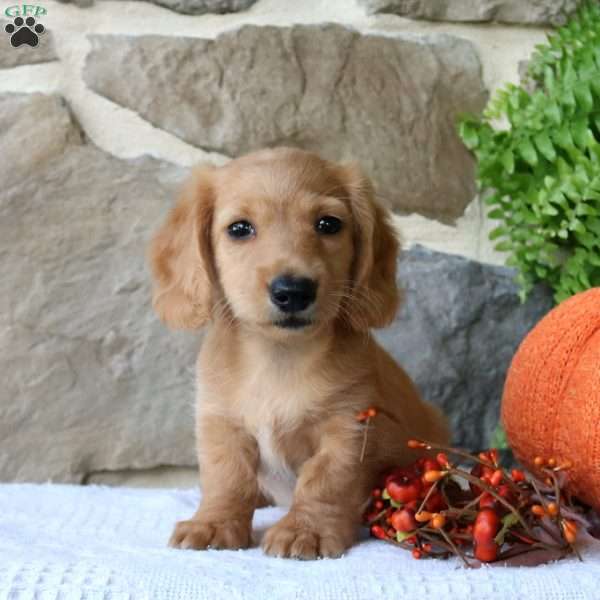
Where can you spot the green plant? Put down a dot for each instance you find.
(541, 174)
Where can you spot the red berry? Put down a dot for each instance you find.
(379, 505)
(404, 490)
(417, 553)
(435, 502)
(487, 501)
(486, 552)
(507, 493)
(487, 525)
(481, 472)
(442, 460)
(378, 532)
(430, 464)
(494, 456)
(376, 493)
(413, 504)
(496, 477)
(517, 475)
(404, 520)
(400, 474)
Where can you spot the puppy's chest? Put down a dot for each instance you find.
(277, 416)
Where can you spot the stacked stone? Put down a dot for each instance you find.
(92, 382)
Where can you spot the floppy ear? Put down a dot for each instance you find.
(375, 296)
(180, 256)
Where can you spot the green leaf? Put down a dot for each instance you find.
(528, 152)
(545, 146)
(509, 520)
(508, 161)
(498, 232)
(503, 246)
(468, 135)
(552, 111)
(583, 95)
(499, 439)
(579, 129)
(562, 136)
(402, 535)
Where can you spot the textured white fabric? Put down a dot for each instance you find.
(98, 543)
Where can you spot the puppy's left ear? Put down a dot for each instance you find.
(375, 296)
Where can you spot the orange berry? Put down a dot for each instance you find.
(423, 516)
(361, 416)
(552, 462)
(432, 476)
(414, 444)
(371, 412)
(417, 553)
(538, 510)
(552, 509)
(438, 521)
(538, 461)
(569, 529)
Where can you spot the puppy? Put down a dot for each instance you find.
(290, 261)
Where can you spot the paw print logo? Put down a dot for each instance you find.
(24, 31)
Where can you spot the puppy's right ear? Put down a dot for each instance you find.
(180, 256)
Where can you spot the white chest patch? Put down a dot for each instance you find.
(275, 478)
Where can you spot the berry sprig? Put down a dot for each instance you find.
(472, 507)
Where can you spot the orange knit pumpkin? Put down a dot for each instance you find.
(551, 402)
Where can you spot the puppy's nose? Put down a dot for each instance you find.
(292, 294)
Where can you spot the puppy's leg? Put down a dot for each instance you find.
(228, 458)
(331, 489)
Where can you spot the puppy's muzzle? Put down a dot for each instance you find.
(292, 295)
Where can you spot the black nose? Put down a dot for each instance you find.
(292, 294)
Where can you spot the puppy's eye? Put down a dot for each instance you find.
(328, 225)
(241, 230)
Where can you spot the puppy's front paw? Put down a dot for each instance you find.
(198, 534)
(288, 539)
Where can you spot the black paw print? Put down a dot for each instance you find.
(24, 32)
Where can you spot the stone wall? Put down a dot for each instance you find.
(98, 126)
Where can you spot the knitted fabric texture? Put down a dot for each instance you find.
(551, 401)
(94, 543)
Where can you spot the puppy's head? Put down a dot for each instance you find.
(279, 240)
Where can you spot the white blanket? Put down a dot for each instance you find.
(98, 543)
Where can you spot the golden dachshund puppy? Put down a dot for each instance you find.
(289, 261)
